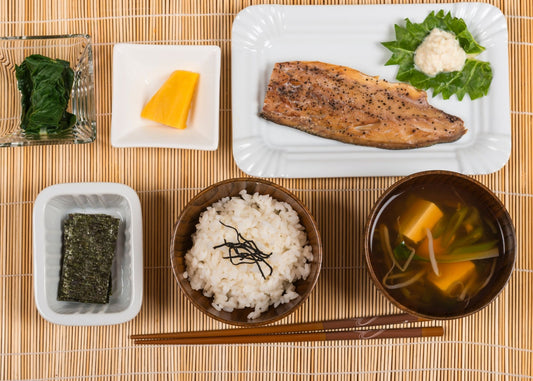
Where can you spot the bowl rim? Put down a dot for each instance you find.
(317, 256)
(378, 205)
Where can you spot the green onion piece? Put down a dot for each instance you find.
(453, 225)
(471, 238)
(478, 247)
(475, 252)
(439, 227)
(472, 256)
(405, 254)
(402, 251)
(473, 218)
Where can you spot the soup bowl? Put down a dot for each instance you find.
(182, 241)
(455, 265)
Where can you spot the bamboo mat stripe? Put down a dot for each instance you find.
(462, 371)
(290, 189)
(142, 16)
(325, 268)
(494, 344)
(288, 346)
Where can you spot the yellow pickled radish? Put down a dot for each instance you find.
(171, 103)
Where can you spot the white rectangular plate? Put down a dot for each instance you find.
(139, 71)
(351, 36)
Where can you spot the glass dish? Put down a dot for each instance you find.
(74, 48)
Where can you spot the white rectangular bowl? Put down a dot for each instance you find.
(51, 207)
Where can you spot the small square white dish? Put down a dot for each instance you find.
(351, 35)
(51, 207)
(139, 71)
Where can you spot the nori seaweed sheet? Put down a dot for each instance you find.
(89, 242)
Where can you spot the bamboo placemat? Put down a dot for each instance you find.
(496, 343)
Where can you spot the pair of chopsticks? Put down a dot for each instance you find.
(344, 329)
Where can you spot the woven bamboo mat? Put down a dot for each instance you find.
(496, 343)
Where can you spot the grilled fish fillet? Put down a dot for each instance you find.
(337, 102)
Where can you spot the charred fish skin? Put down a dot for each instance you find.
(340, 103)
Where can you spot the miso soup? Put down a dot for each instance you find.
(435, 248)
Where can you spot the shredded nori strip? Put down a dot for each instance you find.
(245, 251)
(89, 242)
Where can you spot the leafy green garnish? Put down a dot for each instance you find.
(45, 85)
(402, 252)
(475, 77)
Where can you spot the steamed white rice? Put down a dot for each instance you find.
(275, 227)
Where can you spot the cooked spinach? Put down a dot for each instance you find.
(45, 85)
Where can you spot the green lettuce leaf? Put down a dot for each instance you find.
(475, 77)
(45, 85)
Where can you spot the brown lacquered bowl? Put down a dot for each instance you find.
(186, 226)
(494, 208)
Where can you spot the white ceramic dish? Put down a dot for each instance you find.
(139, 71)
(51, 207)
(351, 36)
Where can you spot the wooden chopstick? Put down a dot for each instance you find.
(314, 331)
(298, 327)
(301, 337)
